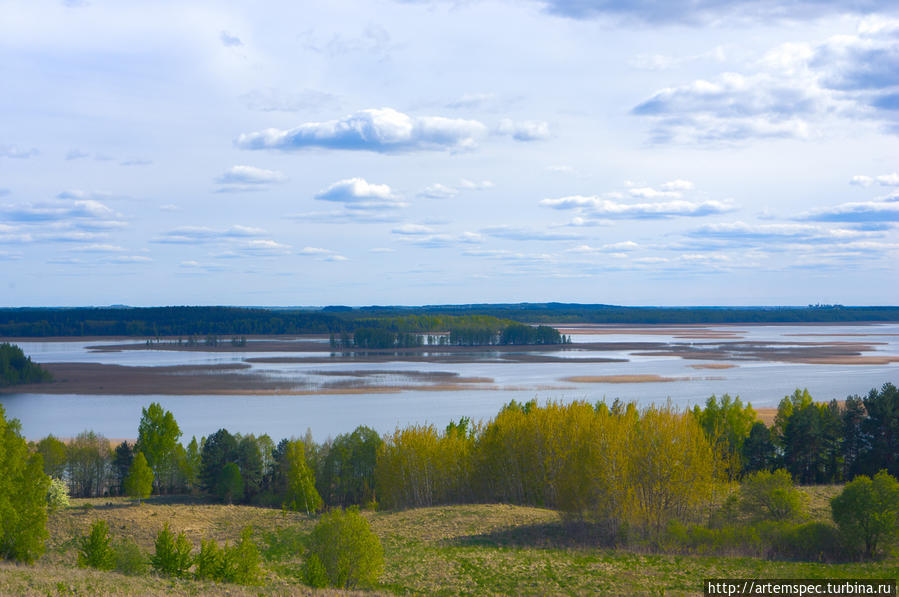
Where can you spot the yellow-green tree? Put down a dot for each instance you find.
(23, 495)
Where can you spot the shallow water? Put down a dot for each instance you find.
(763, 383)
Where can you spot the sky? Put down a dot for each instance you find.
(689, 152)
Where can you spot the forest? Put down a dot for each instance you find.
(202, 321)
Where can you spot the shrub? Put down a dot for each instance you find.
(811, 542)
(348, 550)
(314, 573)
(172, 555)
(867, 512)
(236, 564)
(94, 549)
(770, 496)
(57, 495)
(129, 559)
(241, 561)
(209, 561)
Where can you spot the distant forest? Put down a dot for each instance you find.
(186, 321)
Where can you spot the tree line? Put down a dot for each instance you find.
(201, 321)
(16, 368)
(654, 473)
(816, 442)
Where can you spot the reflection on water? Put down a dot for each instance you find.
(763, 383)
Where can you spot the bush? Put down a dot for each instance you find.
(236, 564)
(810, 542)
(241, 561)
(57, 495)
(314, 573)
(347, 549)
(129, 559)
(770, 496)
(172, 555)
(867, 512)
(94, 549)
(209, 561)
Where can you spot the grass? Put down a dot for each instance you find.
(449, 550)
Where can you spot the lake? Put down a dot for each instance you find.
(761, 367)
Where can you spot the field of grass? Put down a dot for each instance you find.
(450, 550)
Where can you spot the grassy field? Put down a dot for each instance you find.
(451, 550)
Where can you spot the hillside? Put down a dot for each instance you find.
(464, 550)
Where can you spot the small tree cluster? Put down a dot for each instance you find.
(343, 552)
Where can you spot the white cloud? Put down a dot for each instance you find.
(439, 191)
(250, 175)
(862, 211)
(321, 254)
(607, 208)
(527, 233)
(884, 180)
(413, 229)
(524, 130)
(359, 194)
(382, 130)
(204, 234)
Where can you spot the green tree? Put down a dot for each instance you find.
(867, 511)
(16, 368)
(230, 486)
(347, 475)
(300, 493)
(122, 457)
(157, 435)
(95, 549)
(57, 495)
(219, 449)
(882, 427)
(54, 452)
(347, 548)
(726, 424)
(770, 496)
(88, 464)
(139, 482)
(172, 556)
(758, 449)
(23, 495)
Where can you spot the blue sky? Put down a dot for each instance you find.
(727, 152)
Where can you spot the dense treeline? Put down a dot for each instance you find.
(163, 321)
(200, 321)
(599, 313)
(16, 368)
(816, 442)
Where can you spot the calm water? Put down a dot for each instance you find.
(762, 383)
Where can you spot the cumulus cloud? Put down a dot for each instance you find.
(413, 230)
(862, 211)
(382, 130)
(81, 214)
(524, 130)
(743, 234)
(321, 254)
(247, 178)
(884, 180)
(359, 194)
(442, 191)
(203, 234)
(796, 87)
(609, 208)
(527, 233)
